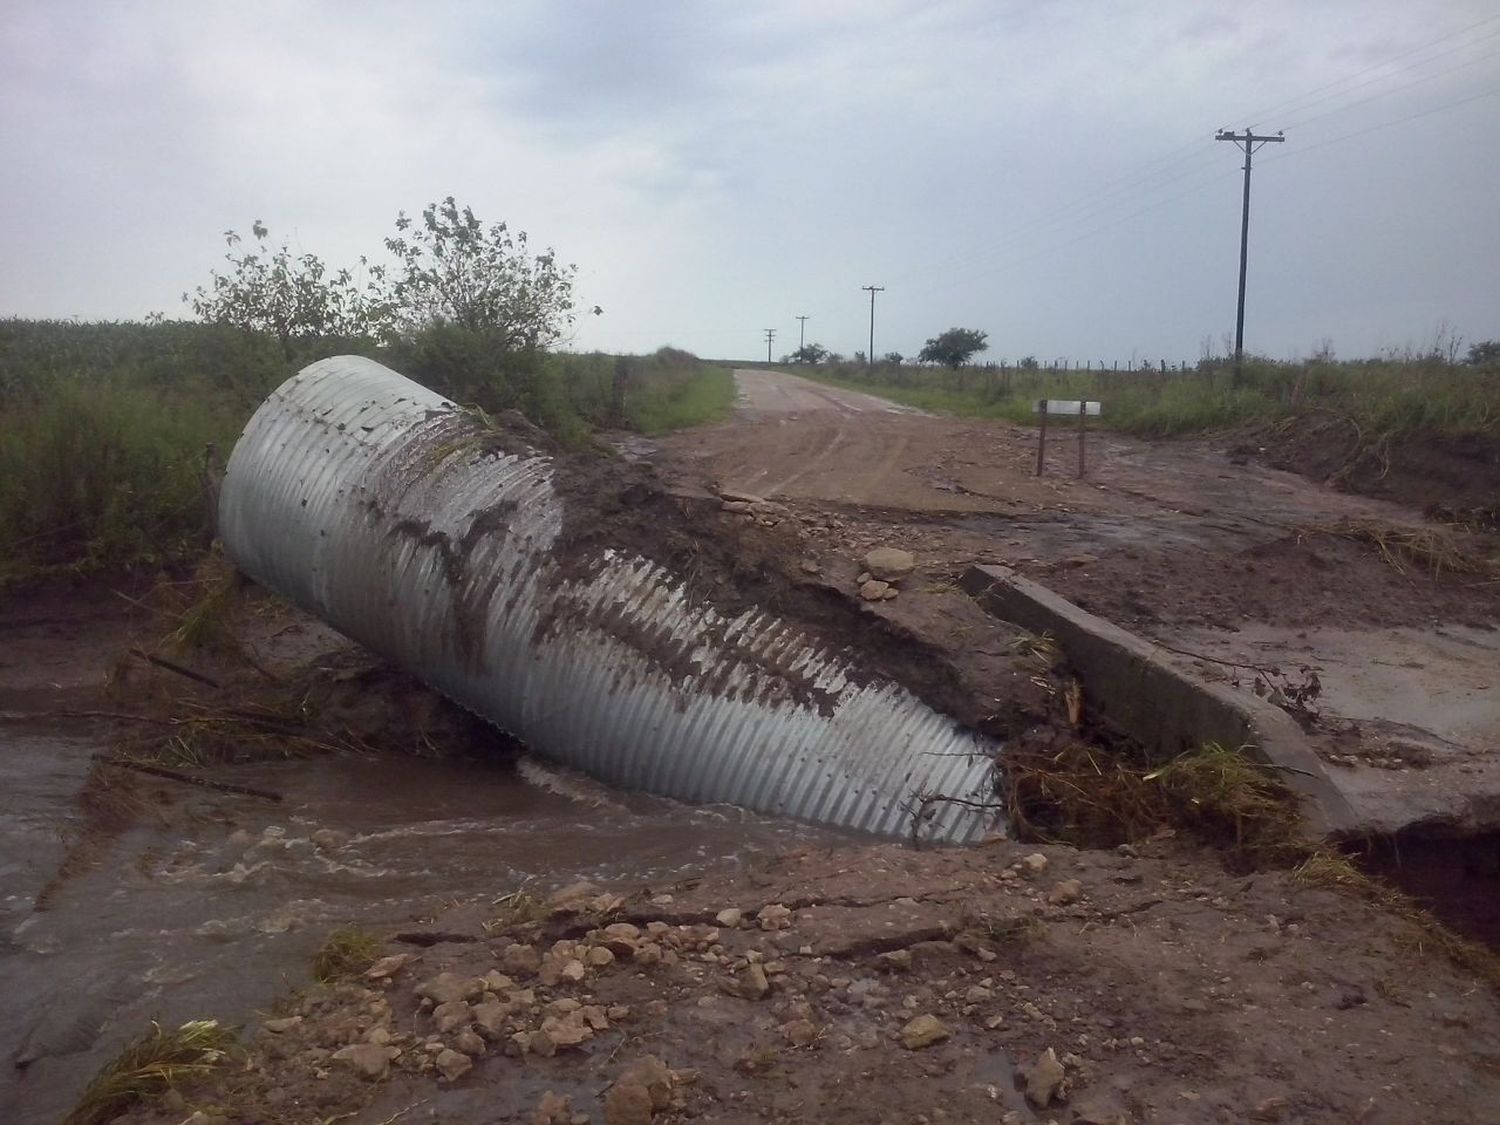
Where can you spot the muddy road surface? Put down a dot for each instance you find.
(1196, 545)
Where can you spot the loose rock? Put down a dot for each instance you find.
(445, 988)
(873, 590)
(453, 1064)
(923, 1031)
(369, 1060)
(627, 1105)
(889, 564)
(1066, 893)
(1044, 1079)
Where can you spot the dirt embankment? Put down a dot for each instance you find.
(1006, 983)
(1450, 476)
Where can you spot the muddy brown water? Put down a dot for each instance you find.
(218, 911)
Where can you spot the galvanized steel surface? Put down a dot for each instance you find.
(388, 512)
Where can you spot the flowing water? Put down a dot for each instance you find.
(214, 910)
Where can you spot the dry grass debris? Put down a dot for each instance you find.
(151, 1065)
(345, 954)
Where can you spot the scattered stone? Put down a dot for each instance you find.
(923, 1031)
(890, 594)
(453, 1064)
(329, 838)
(1034, 864)
(1044, 1079)
(572, 971)
(454, 1014)
(873, 590)
(1066, 893)
(896, 961)
(495, 981)
(729, 917)
(469, 1042)
(553, 1109)
(599, 957)
(369, 1060)
(621, 938)
(889, 564)
(862, 577)
(774, 917)
(566, 1031)
(735, 496)
(647, 954)
(652, 1075)
(627, 1104)
(808, 566)
(277, 1027)
(490, 1018)
(753, 984)
(380, 1036)
(387, 966)
(800, 1033)
(735, 506)
(447, 987)
(520, 960)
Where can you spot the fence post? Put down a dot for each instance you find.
(1083, 428)
(1041, 445)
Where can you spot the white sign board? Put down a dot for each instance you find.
(1066, 406)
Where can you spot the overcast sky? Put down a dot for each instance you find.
(1045, 172)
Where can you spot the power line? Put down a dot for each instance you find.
(1384, 125)
(770, 335)
(1116, 190)
(802, 332)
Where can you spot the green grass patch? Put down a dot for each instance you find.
(705, 395)
(1382, 397)
(149, 1067)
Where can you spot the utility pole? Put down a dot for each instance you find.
(802, 332)
(770, 335)
(1248, 142)
(870, 355)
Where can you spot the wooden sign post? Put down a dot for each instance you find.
(1064, 406)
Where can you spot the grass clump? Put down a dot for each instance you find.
(344, 954)
(150, 1066)
(1434, 549)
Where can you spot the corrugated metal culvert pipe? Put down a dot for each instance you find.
(389, 513)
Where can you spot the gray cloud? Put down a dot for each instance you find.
(1044, 172)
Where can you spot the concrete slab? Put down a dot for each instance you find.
(1148, 694)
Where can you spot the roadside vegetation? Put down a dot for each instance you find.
(110, 433)
(1396, 395)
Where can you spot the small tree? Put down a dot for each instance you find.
(453, 270)
(954, 348)
(293, 298)
(1486, 353)
(895, 359)
(809, 353)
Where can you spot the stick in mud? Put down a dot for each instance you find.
(163, 662)
(187, 778)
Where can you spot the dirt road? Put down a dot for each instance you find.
(1188, 543)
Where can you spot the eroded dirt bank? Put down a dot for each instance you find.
(1004, 983)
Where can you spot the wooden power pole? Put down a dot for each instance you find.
(1249, 143)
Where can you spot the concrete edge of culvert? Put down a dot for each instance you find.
(1136, 686)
